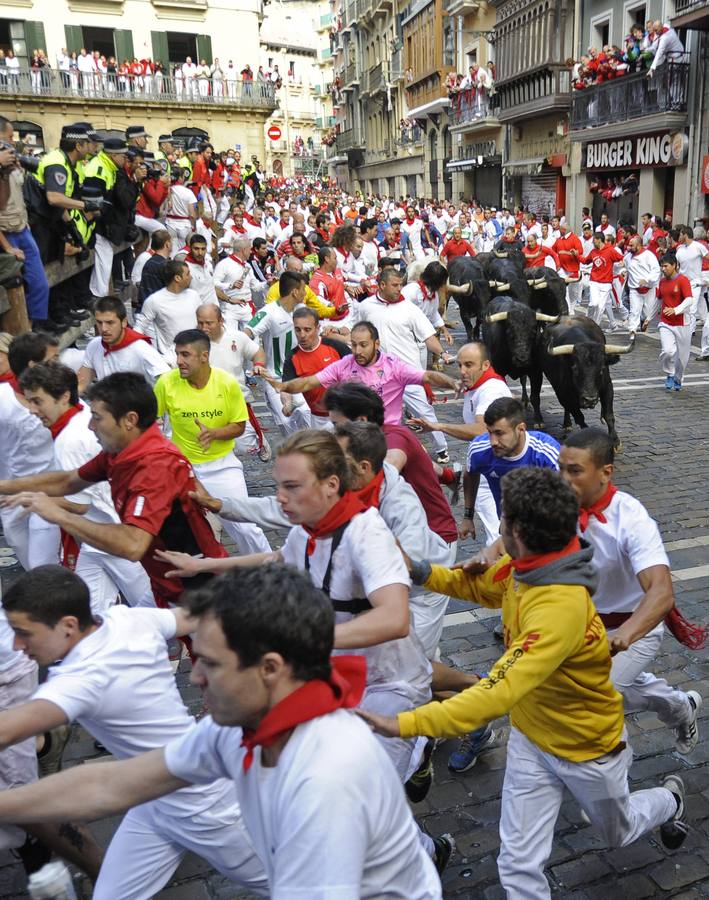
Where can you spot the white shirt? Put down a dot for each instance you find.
(329, 820)
(414, 231)
(274, 325)
(230, 270)
(138, 265)
(402, 327)
(230, 73)
(85, 63)
(9, 657)
(428, 305)
(25, 444)
(182, 203)
(164, 315)
(689, 257)
(477, 400)
(367, 559)
(625, 545)
(607, 229)
(642, 267)
(370, 258)
(230, 352)
(139, 356)
(12, 62)
(189, 70)
(203, 280)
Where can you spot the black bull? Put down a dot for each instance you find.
(468, 286)
(574, 356)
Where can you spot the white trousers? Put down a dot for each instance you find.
(106, 575)
(224, 478)
(428, 610)
(675, 341)
(642, 690)
(300, 417)
(248, 442)
(573, 292)
(600, 300)
(415, 400)
(149, 225)
(153, 838)
(696, 294)
(34, 541)
(236, 315)
(180, 230)
(532, 794)
(18, 762)
(103, 262)
(405, 753)
(643, 307)
(486, 508)
(703, 312)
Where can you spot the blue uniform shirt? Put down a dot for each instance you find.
(540, 450)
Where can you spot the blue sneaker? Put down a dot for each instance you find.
(472, 744)
(669, 383)
(677, 385)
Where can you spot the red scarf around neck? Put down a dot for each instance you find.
(315, 698)
(390, 302)
(346, 508)
(597, 508)
(190, 259)
(536, 560)
(129, 337)
(410, 221)
(427, 295)
(488, 375)
(369, 494)
(10, 378)
(64, 419)
(239, 229)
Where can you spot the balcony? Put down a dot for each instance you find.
(349, 139)
(460, 7)
(632, 97)
(327, 21)
(536, 93)
(408, 137)
(349, 77)
(377, 80)
(324, 56)
(396, 66)
(471, 111)
(691, 14)
(121, 89)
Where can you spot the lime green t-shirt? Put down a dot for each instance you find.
(218, 404)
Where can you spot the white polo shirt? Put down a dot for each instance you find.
(626, 544)
(140, 356)
(164, 315)
(402, 327)
(476, 402)
(26, 446)
(690, 259)
(428, 305)
(330, 820)
(230, 352)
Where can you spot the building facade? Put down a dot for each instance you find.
(231, 112)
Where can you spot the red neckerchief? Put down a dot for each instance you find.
(237, 260)
(190, 259)
(343, 252)
(596, 510)
(249, 218)
(239, 229)
(369, 494)
(10, 378)
(129, 337)
(64, 419)
(410, 221)
(425, 291)
(487, 375)
(536, 561)
(346, 508)
(315, 698)
(324, 234)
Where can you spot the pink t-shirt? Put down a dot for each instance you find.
(387, 376)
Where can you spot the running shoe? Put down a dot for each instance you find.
(669, 383)
(264, 452)
(674, 831)
(444, 848)
(677, 385)
(688, 734)
(457, 484)
(442, 458)
(471, 746)
(420, 782)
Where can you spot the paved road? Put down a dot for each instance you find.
(665, 464)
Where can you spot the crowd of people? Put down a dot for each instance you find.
(645, 50)
(123, 475)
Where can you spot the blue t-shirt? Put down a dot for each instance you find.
(540, 450)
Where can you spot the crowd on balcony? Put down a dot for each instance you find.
(94, 74)
(471, 95)
(645, 49)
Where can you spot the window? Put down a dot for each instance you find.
(100, 39)
(270, 62)
(635, 15)
(291, 68)
(180, 45)
(601, 27)
(12, 37)
(449, 45)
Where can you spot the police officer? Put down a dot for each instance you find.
(95, 143)
(51, 192)
(137, 137)
(101, 173)
(194, 146)
(165, 148)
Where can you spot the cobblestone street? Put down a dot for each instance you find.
(665, 464)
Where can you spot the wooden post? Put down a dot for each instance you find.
(14, 320)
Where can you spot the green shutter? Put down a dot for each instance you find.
(34, 37)
(74, 38)
(123, 42)
(160, 49)
(204, 48)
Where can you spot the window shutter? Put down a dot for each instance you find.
(123, 42)
(161, 52)
(204, 48)
(34, 37)
(74, 38)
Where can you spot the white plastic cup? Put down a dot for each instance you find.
(52, 882)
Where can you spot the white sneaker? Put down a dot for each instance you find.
(688, 734)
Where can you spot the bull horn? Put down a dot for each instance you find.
(492, 283)
(561, 350)
(543, 317)
(501, 285)
(501, 255)
(497, 317)
(620, 348)
(459, 288)
(538, 285)
(572, 279)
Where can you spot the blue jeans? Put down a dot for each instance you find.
(36, 285)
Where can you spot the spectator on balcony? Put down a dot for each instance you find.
(159, 75)
(12, 64)
(217, 74)
(189, 73)
(202, 74)
(247, 80)
(85, 66)
(63, 65)
(668, 46)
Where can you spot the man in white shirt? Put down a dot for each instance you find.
(646, 228)
(230, 349)
(189, 74)
(236, 284)
(319, 799)
(86, 67)
(370, 250)
(201, 269)
(606, 226)
(634, 594)
(129, 702)
(118, 348)
(51, 390)
(412, 227)
(403, 328)
(181, 217)
(690, 254)
(26, 449)
(231, 76)
(169, 311)
(643, 277)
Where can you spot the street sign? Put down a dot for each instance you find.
(274, 132)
